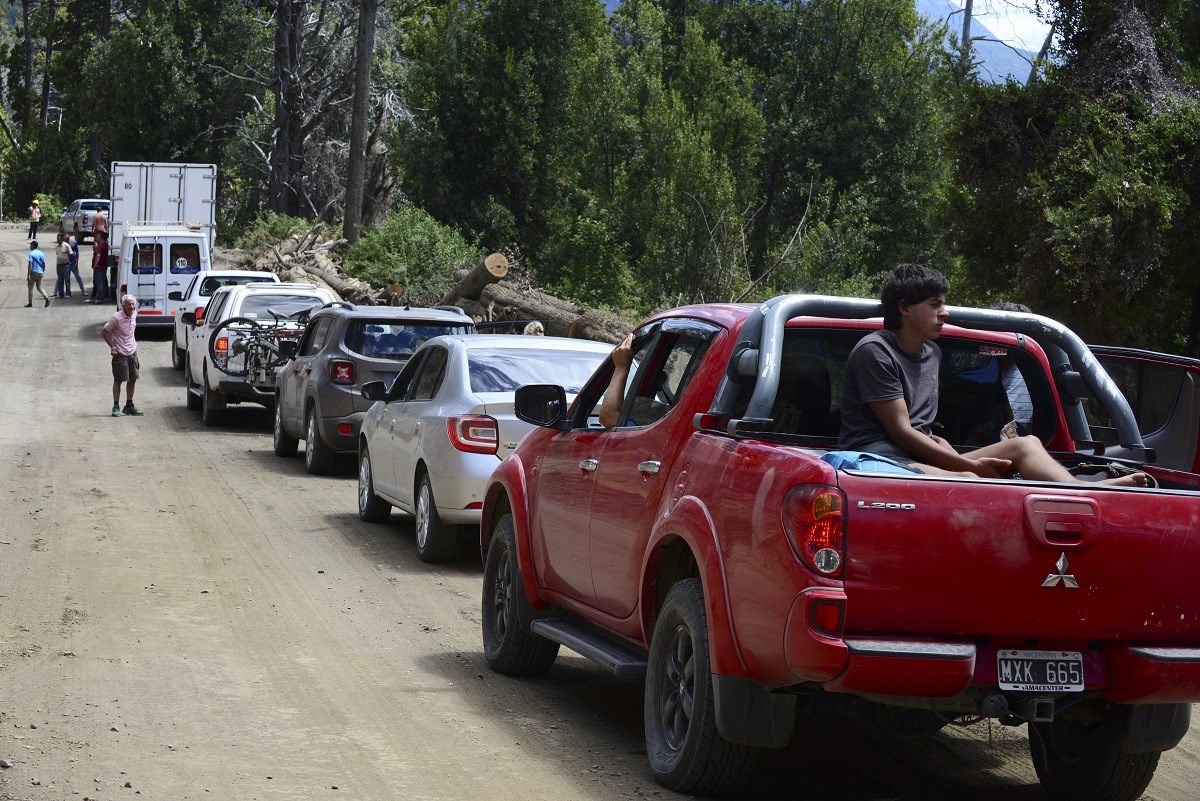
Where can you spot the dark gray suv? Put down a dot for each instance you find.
(317, 393)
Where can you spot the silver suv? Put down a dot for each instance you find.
(78, 217)
(317, 393)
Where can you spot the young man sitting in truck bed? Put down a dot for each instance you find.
(890, 398)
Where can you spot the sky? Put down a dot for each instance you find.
(1010, 20)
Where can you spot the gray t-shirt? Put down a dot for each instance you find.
(879, 370)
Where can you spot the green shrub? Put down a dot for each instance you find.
(413, 250)
(270, 229)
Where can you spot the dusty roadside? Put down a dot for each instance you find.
(183, 615)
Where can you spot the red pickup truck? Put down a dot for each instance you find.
(705, 546)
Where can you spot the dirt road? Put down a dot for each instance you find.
(184, 615)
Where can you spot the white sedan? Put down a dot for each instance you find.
(431, 440)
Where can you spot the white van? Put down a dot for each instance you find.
(157, 259)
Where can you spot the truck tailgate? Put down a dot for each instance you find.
(968, 558)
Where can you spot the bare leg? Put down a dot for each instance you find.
(1031, 459)
(129, 390)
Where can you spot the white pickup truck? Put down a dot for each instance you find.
(247, 333)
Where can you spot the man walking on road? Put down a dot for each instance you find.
(62, 255)
(37, 269)
(118, 332)
(99, 267)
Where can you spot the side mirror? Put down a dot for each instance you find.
(541, 405)
(288, 348)
(374, 390)
(176, 295)
(189, 318)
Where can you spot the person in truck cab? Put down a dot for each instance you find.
(890, 394)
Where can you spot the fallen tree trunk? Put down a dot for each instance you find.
(560, 318)
(487, 272)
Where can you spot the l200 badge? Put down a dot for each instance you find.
(888, 507)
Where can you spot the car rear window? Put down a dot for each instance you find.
(506, 369)
(385, 339)
(256, 306)
(210, 284)
(93, 205)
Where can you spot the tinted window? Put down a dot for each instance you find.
(314, 340)
(93, 205)
(1151, 389)
(430, 378)
(185, 258)
(256, 306)
(147, 258)
(385, 339)
(981, 388)
(505, 369)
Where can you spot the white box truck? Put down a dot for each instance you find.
(153, 192)
(162, 227)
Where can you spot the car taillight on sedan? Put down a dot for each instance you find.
(473, 433)
(341, 372)
(815, 522)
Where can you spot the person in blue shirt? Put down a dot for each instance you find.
(37, 269)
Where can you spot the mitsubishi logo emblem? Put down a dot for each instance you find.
(1062, 575)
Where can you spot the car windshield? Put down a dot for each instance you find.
(210, 284)
(255, 306)
(389, 339)
(506, 369)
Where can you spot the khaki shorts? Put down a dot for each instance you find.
(125, 368)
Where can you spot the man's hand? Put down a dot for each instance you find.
(622, 355)
(991, 467)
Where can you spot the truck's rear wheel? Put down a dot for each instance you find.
(177, 355)
(506, 646)
(685, 750)
(191, 390)
(1078, 757)
(212, 409)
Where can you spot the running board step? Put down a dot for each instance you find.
(623, 663)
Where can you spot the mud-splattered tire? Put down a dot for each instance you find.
(506, 646)
(685, 750)
(1078, 757)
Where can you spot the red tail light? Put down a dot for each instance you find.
(199, 314)
(85, 218)
(473, 433)
(815, 522)
(221, 351)
(826, 616)
(341, 372)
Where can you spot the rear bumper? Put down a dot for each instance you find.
(337, 440)
(945, 668)
(247, 391)
(1154, 675)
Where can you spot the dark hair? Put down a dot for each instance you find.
(33, 244)
(909, 283)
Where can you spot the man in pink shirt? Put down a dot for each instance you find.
(118, 332)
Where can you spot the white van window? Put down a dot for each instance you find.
(185, 258)
(147, 258)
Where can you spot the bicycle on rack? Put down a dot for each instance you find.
(245, 347)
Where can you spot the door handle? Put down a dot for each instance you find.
(589, 465)
(649, 467)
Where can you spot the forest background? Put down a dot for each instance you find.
(674, 151)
